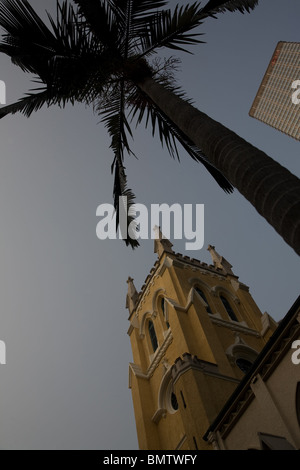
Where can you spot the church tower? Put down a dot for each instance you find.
(195, 331)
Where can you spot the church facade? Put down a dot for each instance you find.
(196, 334)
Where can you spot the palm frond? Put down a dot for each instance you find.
(27, 105)
(133, 15)
(99, 18)
(170, 134)
(115, 120)
(26, 35)
(171, 29)
(221, 6)
(124, 201)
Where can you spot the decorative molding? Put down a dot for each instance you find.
(162, 406)
(233, 325)
(159, 354)
(155, 296)
(217, 289)
(181, 442)
(267, 322)
(239, 285)
(156, 358)
(147, 314)
(240, 349)
(196, 280)
(166, 264)
(159, 413)
(189, 361)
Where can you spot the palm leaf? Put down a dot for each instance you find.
(99, 18)
(27, 105)
(220, 6)
(169, 134)
(171, 29)
(115, 120)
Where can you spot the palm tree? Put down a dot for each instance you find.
(99, 52)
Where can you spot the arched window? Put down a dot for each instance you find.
(174, 401)
(202, 295)
(164, 310)
(243, 364)
(228, 308)
(152, 335)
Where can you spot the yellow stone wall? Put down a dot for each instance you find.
(207, 376)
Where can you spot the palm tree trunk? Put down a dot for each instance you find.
(271, 188)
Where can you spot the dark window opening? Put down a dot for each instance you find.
(228, 308)
(174, 401)
(202, 295)
(243, 364)
(163, 308)
(152, 335)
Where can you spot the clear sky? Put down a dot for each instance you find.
(62, 290)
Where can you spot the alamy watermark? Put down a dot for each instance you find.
(187, 222)
(2, 352)
(296, 354)
(2, 92)
(296, 94)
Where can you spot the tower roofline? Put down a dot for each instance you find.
(179, 259)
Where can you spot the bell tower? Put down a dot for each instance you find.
(195, 331)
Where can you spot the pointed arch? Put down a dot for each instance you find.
(166, 401)
(152, 335)
(203, 298)
(204, 285)
(241, 354)
(228, 308)
(146, 315)
(218, 290)
(156, 295)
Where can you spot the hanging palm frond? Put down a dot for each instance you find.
(169, 133)
(117, 125)
(221, 6)
(96, 52)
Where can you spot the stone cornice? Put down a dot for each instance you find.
(168, 260)
(241, 327)
(189, 361)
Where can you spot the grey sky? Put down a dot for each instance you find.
(62, 290)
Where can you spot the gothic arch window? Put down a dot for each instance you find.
(228, 308)
(162, 304)
(174, 402)
(163, 307)
(202, 295)
(243, 364)
(241, 354)
(167, 399)
(152, 335)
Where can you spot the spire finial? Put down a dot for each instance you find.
(132, 295)
(219, 261)
(161, 243)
